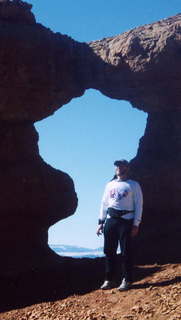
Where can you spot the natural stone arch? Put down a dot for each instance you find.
(47, 70)
(99, 119)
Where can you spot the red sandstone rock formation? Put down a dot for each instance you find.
(39, 72)
(33, 194)
(143, 66)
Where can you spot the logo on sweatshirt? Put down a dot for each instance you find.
(118, 195)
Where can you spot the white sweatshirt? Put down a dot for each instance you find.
(123, 195)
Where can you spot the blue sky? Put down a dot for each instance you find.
(84, 137)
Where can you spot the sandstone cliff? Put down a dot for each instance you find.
(39, 72)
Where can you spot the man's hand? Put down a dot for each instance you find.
(134, 231)
(99, 230)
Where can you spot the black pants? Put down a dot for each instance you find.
(117, 231)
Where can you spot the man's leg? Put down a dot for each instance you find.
(127, 262)
(110, 267)
(126, 250)
(110, 247)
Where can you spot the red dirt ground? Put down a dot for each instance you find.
(156, 297)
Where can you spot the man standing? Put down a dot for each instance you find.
(120, 217)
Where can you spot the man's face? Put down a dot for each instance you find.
(121, 170)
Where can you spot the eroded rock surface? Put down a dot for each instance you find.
(143, 65)
(157, 167)
(34, 196)
(39, 72)
(49, 69)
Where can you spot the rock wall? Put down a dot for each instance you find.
(34, 196)
(157, 167)
(39, 72)
(143, 66)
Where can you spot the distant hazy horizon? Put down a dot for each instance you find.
(77, 252)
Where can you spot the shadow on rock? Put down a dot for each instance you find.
(157, 284)
(65, 277)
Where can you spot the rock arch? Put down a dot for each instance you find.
(39, 72)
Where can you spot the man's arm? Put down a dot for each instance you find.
(103, 211)
(138, 202)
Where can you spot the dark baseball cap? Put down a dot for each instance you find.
(122, 162)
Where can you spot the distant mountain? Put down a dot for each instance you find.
(75, 251)
(68, 248)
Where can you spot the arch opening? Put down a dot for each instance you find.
(83, 139)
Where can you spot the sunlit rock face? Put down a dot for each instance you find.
(39, 72)
(142, 66)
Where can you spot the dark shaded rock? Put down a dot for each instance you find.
(34, 196)
(143, 66)
(16, 11)
(80, 276)
(49, 69)
(18, 143)
(39, 72)
(41, 65)
(156, 166)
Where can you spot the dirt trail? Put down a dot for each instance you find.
(156, 297)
